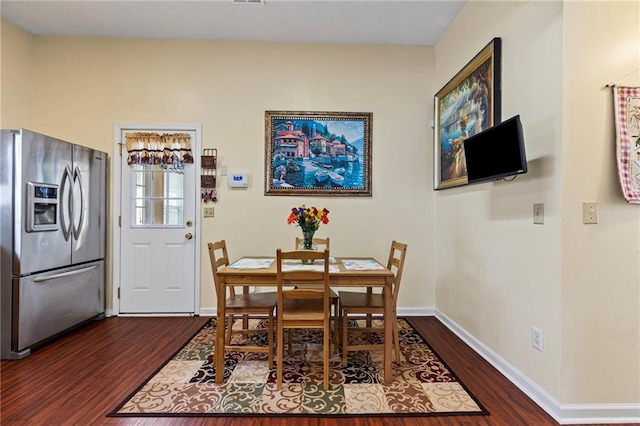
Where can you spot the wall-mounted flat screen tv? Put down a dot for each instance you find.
(496, 152)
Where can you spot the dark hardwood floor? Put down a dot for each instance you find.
(79, 378)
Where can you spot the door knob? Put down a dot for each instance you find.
(188, 235)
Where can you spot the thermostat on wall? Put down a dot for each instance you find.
(238, 180)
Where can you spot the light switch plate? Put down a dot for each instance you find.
(538, 213)
(208, 212)
(589, 212)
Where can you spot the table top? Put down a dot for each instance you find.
(342, 266)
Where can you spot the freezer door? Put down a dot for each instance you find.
(88, 224)
(54, 301)
(6, 238)
(42, 216)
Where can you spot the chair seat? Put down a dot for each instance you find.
(311, 310)
(351, 299)
(255, 301)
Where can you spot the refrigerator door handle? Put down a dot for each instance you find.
(64, 274)
(65, 205)
(77, 176)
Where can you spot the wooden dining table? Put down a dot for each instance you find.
(350, 272)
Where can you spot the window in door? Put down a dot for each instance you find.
(158, 196)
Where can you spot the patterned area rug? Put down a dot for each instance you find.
(185, 385)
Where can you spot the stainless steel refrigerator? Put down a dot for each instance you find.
(52, 235)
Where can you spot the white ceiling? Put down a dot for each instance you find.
(404, 22)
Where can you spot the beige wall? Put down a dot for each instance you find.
(84, 86)
(16, 72)
(498, 275)
(600, 264)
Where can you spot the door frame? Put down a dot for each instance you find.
(116, 182)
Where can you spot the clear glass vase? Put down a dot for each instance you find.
(307, 244)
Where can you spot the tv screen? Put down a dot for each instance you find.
(496, 152)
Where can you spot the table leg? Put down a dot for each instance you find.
(388, 331)
(218, 354)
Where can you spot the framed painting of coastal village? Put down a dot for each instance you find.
(318, 153)
(468, 104)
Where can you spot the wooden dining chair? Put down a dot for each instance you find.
(325, 244)
(369, 304)
(246, 305)
(303, 302)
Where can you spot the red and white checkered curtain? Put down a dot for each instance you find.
(627, 116)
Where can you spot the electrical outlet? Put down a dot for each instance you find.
(208, 212)
(538, 213)
(538, 339)
(589, 212)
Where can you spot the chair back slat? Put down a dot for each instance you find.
(325, 242)
(303, 293)
(219, 258)
(316, 282)
(395, 264)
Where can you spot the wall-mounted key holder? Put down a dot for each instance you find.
(208, 179)
(208, 175)
(209, 158)
(209, 195)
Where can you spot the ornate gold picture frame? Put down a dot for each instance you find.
(468, 104)
(318, 153)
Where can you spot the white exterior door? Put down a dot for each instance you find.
(158, 243)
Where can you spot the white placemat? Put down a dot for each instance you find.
(362, 265)
(249, 263)
(318, 261)
(316, 266)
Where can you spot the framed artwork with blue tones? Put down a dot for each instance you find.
(468, 104)
(318, 153)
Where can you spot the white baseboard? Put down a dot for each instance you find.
(158, 315)
(208, 312)
(402, 312)
(417, 312)
(562, 413)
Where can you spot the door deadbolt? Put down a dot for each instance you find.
(188, 235)
(189, 223)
